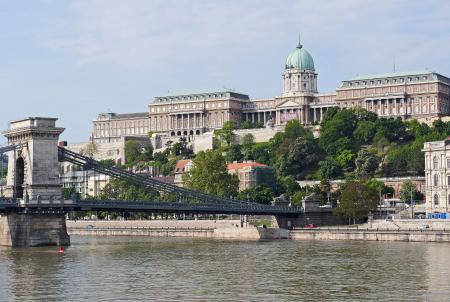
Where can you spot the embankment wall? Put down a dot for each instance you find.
(371, 235)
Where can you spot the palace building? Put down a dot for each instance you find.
(422, 94)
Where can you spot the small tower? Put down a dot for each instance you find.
(33, 165)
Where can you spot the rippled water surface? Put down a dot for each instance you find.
(173, 269)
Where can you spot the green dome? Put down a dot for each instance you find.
(300, 59)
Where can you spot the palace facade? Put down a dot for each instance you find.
(422, 94)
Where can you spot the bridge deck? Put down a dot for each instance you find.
(149, 206)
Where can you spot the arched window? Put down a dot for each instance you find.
(436, 199)
(435, 162)
(436, 180)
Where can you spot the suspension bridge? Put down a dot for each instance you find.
(33, 188)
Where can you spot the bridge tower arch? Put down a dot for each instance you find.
(19, 176)
(33, 164)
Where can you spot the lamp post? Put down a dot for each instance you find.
(412, 205)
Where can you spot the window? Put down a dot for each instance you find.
(424, 104)
(436, 199)
(435, 162)
(436, 180)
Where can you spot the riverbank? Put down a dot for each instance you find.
(219, 229)
(378, 230)
(371, 235)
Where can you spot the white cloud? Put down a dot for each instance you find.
(139, 33)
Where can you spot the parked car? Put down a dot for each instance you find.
(310, 226)
(423, 227)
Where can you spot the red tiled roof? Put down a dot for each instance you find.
(181, 164)
(237, 166)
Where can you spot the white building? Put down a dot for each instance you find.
(437, 178)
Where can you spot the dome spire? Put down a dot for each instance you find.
(299, 42)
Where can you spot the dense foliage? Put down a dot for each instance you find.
(209, 174)
(141, 156)
(353, 143)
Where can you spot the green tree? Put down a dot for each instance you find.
(132, 151)
(346, 159)
(148, 152)
(258, 194)
(234, 153)
(209, 174)
(299, 158)
(409, 190)
(121, 189)
(356, 200)
(181, 149)
(365, 132)
(379, 187)
(337, 131)
(226, 134)
(107, 163)
(294, 129)
(68, 192)
(297, 197)
(329, 169)
(248, 140)
(247, 146)
(287, 185)
(263, 153)
(366, 164)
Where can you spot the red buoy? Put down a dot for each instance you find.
(61, 250)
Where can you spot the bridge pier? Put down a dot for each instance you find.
(31, 229)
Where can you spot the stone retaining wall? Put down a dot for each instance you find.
(407, 224)
(220, 229)
(371, 235)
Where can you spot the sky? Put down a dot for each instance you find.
(75, 59)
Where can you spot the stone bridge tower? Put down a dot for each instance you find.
(33, 172)
(33, 166)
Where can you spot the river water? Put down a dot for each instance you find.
(180, 269)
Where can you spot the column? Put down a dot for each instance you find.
(264, 115)
(189, 121)
(314, 115)
(321, 113)
(307, 114)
